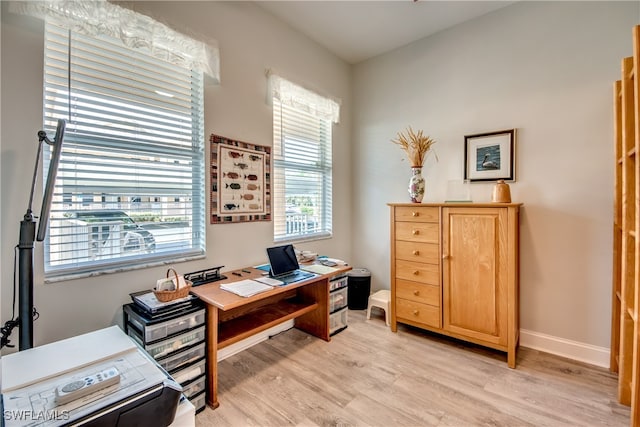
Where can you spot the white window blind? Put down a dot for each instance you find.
(130, 184)
(302, 171)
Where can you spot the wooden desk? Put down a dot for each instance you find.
(231, 318)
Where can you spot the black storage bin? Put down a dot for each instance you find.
(359, 287)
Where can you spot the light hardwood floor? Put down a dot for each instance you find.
(370, 376)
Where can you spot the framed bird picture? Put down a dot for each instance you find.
(490, 156)
(240, 181)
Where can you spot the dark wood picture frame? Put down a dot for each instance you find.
(490, 156)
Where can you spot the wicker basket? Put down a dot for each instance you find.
(166, 296)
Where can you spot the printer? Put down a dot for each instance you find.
(97, 379)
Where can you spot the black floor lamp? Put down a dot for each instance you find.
(28, 236)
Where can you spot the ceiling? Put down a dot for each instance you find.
(358, 30)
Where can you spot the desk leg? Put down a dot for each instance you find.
(316, 322)
(212, 356)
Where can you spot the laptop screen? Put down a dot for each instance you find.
(282, 259)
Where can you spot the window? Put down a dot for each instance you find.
(130, 184)
(302, 166)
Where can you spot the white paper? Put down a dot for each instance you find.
(245, 288)
(270, 281)
(318, 269)
(337, 261)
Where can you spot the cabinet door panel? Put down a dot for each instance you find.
(474, 270)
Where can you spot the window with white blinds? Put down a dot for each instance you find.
(130, 185)
(302, 170)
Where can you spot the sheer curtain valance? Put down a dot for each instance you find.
(303, 99)
(135, 30)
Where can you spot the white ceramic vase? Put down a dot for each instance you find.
(416, 185)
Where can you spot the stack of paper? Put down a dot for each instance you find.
(318, 269)
(270, 281)
(148, 301)
(245, 288)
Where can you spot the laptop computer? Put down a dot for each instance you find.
(284, 265)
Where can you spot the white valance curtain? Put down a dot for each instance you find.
(135, 30)
(298, 97)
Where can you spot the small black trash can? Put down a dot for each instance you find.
(359, 287)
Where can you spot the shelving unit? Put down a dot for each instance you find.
(626, 250)
(338, 310)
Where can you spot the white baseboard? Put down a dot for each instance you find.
(253, 340)
(575, 350)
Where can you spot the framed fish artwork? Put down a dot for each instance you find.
(240, 181)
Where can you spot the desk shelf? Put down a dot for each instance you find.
(239, 328)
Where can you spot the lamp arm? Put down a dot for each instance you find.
(42, 136)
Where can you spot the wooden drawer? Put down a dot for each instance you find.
(418, 252)
(425, 232)
(418, 292)
(416, 312)
(418, 272)
(418, 214)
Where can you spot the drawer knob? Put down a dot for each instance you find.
(416, 272)
(416, 292)
(416, 252)
(416, 312)
(416, 232)
(415, 213)
(446, 256)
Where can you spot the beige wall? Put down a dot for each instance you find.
(545, 68)
(250, 41)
